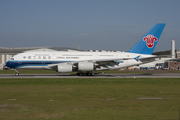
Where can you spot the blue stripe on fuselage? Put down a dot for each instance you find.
(19, 63)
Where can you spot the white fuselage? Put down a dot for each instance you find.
(47, 59)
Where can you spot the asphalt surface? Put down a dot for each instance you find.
(158, 75)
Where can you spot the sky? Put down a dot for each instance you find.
(95, 24)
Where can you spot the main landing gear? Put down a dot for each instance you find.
(17, 73)
(85, 74)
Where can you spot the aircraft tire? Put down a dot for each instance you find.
(17, 74)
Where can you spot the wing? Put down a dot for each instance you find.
(107, 62)
(97, 62)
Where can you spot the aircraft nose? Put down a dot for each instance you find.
(9, 64)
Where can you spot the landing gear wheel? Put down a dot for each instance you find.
(92, 74)
(79, 74)
(85, 74)
(17, 74)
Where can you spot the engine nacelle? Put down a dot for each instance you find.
(85, 66)
(64, 68)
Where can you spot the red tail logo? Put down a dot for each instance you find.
(150, 40)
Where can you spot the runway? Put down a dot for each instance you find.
(159, 75)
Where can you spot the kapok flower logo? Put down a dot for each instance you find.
(150, 39)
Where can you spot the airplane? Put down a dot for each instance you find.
(85, 62)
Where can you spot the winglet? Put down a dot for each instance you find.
(137, 58)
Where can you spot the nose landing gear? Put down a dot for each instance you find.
(17, 73)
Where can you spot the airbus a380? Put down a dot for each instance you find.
(87, 62)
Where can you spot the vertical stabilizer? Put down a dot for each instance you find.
(148, 42)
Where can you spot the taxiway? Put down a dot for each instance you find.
(160, 75)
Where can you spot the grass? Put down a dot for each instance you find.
(89, 99)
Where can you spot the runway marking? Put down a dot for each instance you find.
(12, 99)
(150, 98)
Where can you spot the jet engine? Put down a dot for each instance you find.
(64, 68)
(85, 66)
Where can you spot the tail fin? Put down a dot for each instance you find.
(148, 42)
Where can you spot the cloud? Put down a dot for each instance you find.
(83, 35)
